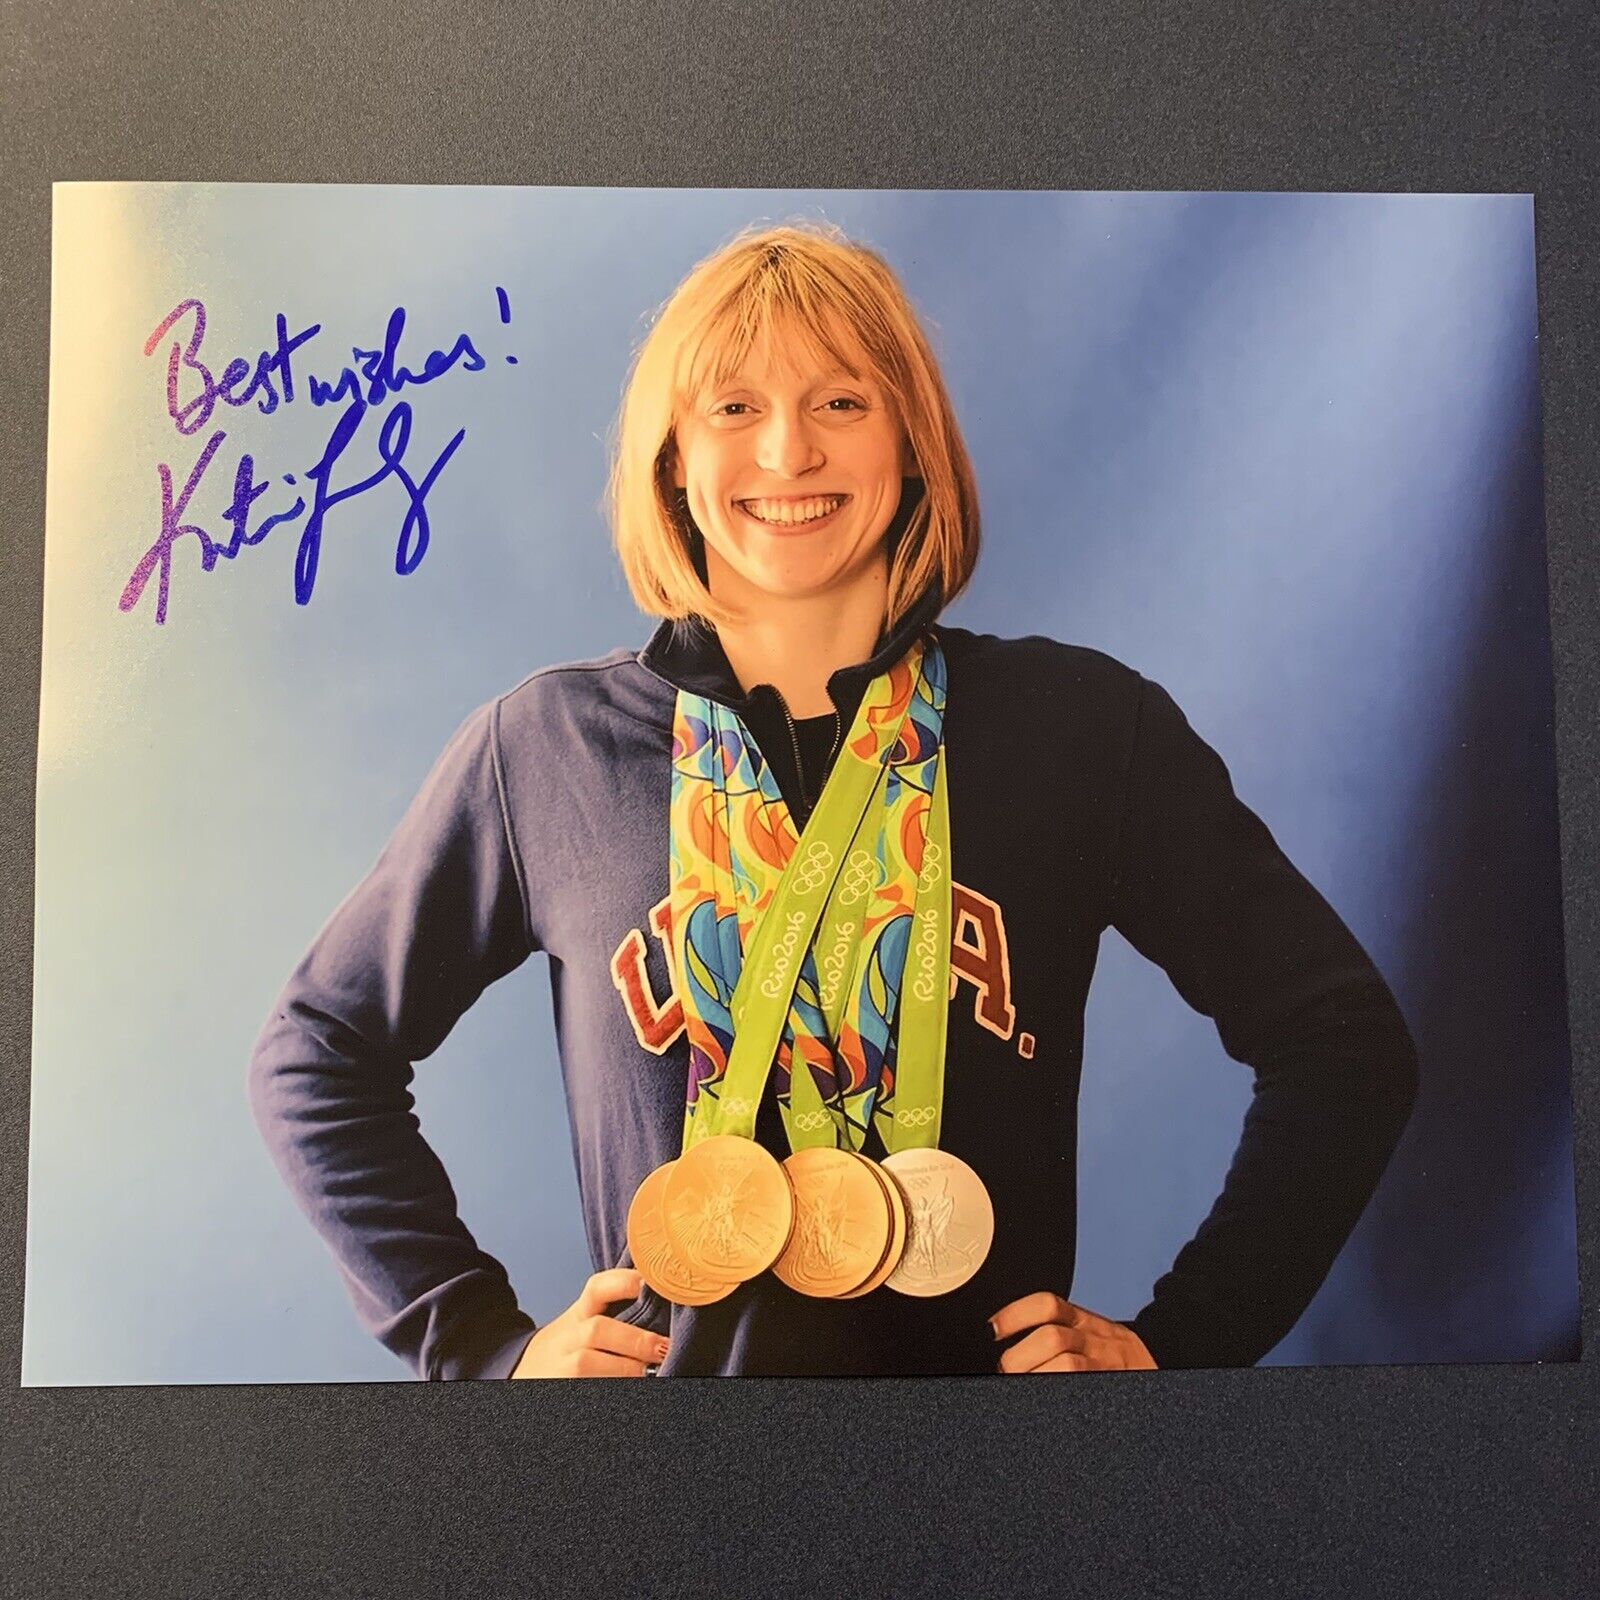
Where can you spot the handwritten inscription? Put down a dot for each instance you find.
(197, 395)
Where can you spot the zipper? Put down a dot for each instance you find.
(838, 740)
(794, 744)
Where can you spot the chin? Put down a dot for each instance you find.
(793, 579)
(801, 586)
(775, 590)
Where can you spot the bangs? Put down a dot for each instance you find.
(778, 312)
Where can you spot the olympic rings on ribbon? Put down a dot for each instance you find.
(814, 867)
(859, 877)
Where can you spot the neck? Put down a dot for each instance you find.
(797, 645)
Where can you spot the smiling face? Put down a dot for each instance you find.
(792, 467)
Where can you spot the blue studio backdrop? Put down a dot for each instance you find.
(1280, 453)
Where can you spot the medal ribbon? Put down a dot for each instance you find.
(867, 885)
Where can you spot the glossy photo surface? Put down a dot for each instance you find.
(326, 475)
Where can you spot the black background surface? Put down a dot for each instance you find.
(1400, 1480)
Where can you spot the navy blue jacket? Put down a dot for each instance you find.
(1080, 798)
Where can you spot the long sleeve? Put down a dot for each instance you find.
(441, 915)
(1202, 889)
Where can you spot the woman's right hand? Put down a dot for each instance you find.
(585, 1343)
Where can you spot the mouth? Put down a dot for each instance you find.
(802, 512)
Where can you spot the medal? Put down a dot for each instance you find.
(950, 1221)
(842, 1227)
(727, 1207)
(897, 1234)
(661, 1266)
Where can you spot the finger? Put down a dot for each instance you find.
(622, 1339)
(1043, 1344)
(1030, 1311)
(607, 1289)
(1068, 1363)
(600, 1364)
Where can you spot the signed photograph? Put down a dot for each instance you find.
(672, 783)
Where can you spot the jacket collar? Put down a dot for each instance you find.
(689, 656)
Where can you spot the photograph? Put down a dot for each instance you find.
(793, 783)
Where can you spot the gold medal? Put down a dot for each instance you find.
(662, 1267)
(950, 1221)
(842, 1225)
(728, 1208)
(897, 1231)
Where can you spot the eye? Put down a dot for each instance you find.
(729, 408)
(843, 400)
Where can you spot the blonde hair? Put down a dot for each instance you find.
(841, 297)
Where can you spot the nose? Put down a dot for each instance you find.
(787, 447)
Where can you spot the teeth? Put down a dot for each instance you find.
(787, 513)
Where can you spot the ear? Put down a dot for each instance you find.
(679, 477)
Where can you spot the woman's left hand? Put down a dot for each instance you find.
(1065, 1338)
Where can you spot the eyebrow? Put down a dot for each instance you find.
(837, 375)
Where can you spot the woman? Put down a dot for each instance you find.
(791, 494)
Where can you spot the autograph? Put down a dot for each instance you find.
(193, 393)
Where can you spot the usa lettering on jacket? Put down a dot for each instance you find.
(979, 956)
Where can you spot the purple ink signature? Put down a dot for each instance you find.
(193, 393)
